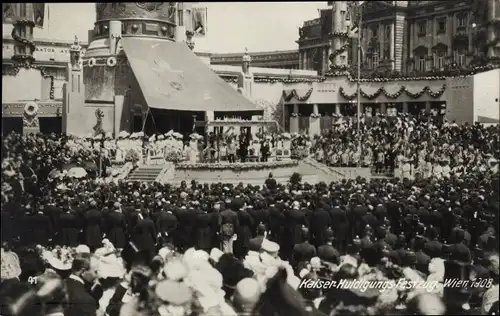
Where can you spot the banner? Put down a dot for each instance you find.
(39, 14)
(13, 12)
(199, 17)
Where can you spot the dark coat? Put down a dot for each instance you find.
(276, 223)
(166, 223)
(38, 229)
(92, 232)
(80, 302)
(203, 231)
(319, 221)
(69, 229)
(116, 229)
(143, 235)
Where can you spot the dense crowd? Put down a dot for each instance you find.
(388, 143)
(87, 247)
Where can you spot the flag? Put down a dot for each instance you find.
(353, 15)
(39, 14)
(199, 16)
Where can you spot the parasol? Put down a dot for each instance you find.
(170, 133)
(123, 134)
(55, 174)
(177, 135)
(77, 172)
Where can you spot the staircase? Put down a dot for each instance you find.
(145, 173)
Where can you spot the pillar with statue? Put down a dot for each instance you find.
(245, 78)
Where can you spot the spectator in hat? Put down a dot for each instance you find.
(327, 252)
(304, 251)
(80, 301)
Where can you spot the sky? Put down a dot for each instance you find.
(231, 26)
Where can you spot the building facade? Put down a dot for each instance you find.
(404, 37)
(285, 59)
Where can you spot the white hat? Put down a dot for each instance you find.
(215, 254)
(110, 266)
(270, 246)
(82, 249)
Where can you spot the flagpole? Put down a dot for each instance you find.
(360, 21)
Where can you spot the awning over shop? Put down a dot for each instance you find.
(172, 77)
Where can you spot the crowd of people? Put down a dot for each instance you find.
(129, 248)
(410, 145)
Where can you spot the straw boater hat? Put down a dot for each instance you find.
(270, 247)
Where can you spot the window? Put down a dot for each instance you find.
(460, 57)
(462, 20)
(374, 31)
(441, 25)
(421, 63)
(439, 60)
(422, 26)
(375, 61)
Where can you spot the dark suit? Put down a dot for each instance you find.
(143, 235)
(38, 229)
(92, 231)
(116, 228)
(69, 229)
(166, 222)
(203, 231)
(80, 302)
(319, 220)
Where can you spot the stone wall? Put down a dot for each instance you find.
(26, 85)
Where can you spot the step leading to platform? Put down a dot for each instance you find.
(146, 173)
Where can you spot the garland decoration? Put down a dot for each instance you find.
(235, 166)
(272, 80)
(293, 94)
(339, 51)
(339, 34)
(395, 95)
(27, 25)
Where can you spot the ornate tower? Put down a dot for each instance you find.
(97, 95)
(339, 42)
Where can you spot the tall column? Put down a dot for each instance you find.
(492, 28)
(294, 119)
(306, 60)
(392, 46)
(411, 27)
(301, 60)
(315, 122)
(405, 107)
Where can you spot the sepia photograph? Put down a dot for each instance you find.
(299, 158)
